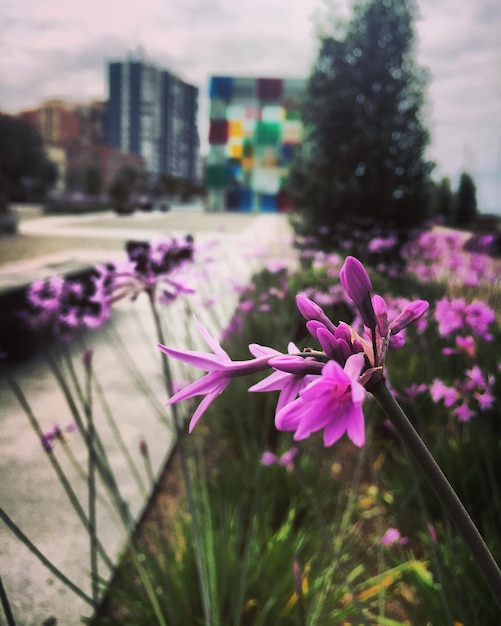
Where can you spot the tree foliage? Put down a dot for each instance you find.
(25, 171)
(362, 157)
(466, 201)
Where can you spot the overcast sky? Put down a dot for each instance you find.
(51, 48)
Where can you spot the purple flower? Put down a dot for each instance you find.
(286, 460)
(463, 412)
(332, 402)
(393, 536)
(221, 370)
(358, 286)
(440, 391)
(291, 375)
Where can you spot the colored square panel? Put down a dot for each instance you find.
(217, 154)
(268, 133)
(236, 129)
(248, 148)
(247, 163)
(221, 87)
(269, 156)
(266, 180)
(235, 150)
(272, 113)
(251, 113)
(218, 132)
(218, 109)
(287, 152)
(269, 89)
(235, 112)
(249, 128)
(268, 202)
(217, 176)
(292, 132)
(244, 89)
(245, 199)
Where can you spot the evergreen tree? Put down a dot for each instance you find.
(362, 157)
(466, 201)
(25, 171)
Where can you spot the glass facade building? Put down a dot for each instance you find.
(153, 114)
(254, 129)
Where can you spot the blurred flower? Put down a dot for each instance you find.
(393, 536)
(286, 460)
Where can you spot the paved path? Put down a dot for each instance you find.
(127, 365)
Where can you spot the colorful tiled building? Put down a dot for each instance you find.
(255, 126)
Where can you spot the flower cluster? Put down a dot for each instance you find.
(64, 306)
(474, 389)
(454, 315)
(153, 267)
(320, 389)
(444, 255)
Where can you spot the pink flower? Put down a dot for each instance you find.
(463, 412)
(290, 376)
(286, 460)
(440, 391)
(393, 536)
(332, 402)
(221, 371)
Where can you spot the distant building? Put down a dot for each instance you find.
(254, 129)
(106, 160)
(74, 137)
(153, 114)
(56, 120)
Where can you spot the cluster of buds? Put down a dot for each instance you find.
(151, 267)
(320, 389)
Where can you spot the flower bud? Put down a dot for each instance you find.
(357, 284)
(410, 313)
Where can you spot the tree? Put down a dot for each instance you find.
(466, 201)
(362, 157)
(92, 181)
(122, 187)
(25, 171)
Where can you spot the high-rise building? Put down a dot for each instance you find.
(153, 114)
(254, 129)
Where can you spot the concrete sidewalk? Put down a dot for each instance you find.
(127, 365)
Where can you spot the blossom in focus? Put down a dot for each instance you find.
(221, 370)
(358, 286)
(332, 402)
(288, 382)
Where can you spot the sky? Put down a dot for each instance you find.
(51, 48)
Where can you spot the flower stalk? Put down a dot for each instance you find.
(441, 485)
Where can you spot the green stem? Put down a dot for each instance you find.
(9, 616)
(445, 492)
(91, 482)
(183, 458)
(73, 498)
